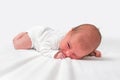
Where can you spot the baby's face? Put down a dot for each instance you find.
(70, 47)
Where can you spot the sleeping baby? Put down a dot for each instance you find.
(77, 43)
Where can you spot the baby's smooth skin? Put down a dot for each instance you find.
(79, 42)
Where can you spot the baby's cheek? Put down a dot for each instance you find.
(77, 57)
(73, 57)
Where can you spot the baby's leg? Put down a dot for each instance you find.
(22, 41)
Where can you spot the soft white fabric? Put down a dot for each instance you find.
(31, 65)
(45, 40)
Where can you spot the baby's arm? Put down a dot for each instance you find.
(95, 53)
(22, 41)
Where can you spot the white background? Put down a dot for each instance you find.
(20, 15)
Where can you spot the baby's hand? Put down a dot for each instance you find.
(96, 53)
(59, 55)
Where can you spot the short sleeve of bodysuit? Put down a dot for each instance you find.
(45, 40)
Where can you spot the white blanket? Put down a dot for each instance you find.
(29, 65)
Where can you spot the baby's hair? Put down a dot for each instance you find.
(79, 27)
(84, 25)
(92, 31)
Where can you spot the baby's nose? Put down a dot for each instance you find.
(68, 53)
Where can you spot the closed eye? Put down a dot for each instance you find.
(68, 45)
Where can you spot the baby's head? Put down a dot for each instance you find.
(80, 41)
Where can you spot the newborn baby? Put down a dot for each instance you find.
(79, 42)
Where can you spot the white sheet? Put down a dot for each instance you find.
(29, 65)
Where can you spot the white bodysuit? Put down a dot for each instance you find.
(45, 40)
